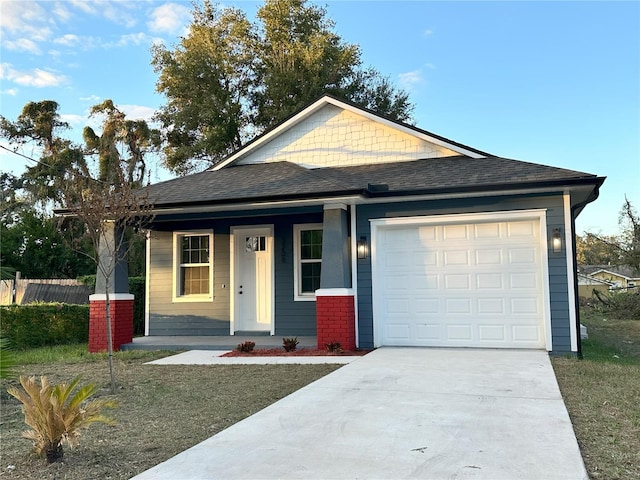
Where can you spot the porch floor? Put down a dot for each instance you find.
(212, 342)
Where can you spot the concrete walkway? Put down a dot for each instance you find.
(214, 357)
(402, 413)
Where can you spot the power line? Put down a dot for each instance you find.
(40, 162)
(25, 156)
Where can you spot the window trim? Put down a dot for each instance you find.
(175, 284)
(297, 261)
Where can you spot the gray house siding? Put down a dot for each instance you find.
(167, 317)
(557, 262)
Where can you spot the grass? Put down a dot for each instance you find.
(602, 395)
(76, 354)
(164, 409)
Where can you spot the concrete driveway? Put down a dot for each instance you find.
(403, 413)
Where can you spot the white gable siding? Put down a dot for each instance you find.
(334, 137)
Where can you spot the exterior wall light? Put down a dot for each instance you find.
(556, 240)
(362, 248)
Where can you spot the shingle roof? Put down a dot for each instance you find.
(624, 270)
(285, 180)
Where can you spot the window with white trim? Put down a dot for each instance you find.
(193, 266)
(307, 252)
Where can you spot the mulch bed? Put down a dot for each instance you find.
(306, 352)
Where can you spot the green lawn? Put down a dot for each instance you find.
(602, 394)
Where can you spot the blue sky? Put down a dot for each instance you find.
(556, 83)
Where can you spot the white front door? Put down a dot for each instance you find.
(252, 279)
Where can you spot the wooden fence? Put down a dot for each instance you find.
(6, 287)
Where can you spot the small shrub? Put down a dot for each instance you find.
(44, 324)
(247, 346)
(56, 414)
(334, 347)
(290, 344)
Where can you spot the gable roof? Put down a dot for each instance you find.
(623, 271)
(319, 116)
(285, 181)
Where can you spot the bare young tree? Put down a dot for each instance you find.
(108, 211)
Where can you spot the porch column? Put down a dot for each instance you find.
(120, 300)
(335, 310)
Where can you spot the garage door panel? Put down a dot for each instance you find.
(397, 306)
(461, 285)
(527, 306)
(520, 256)
(430, 332)
(488, 256)
(489, 281)
(456, 258)
(398, 331)
(492, 333)
(521, 229)
(525, 280)
(457, 281)
(427, 306)
(456, 306)
(453, 232)
(459, 333)
(487, 231)
(525, 333)
(491, 306)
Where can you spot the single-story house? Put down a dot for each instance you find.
(619, 276)
(347, 225)
(587, 285)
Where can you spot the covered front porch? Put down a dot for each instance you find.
(210, 342)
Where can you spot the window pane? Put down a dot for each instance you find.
(194, 280)
(311, 244)
(195, 249)
(310, 273)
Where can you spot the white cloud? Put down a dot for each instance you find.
(139, 38)
(137, 112)
(169, 18)
(409, 79)
(60, 11)
(68, 39)
(10, 91)
(34, 78)
(134, 39)
(90, 98)
(73, 119)
(427, 33)
(25, 19)
(86, 7)
(22, 45)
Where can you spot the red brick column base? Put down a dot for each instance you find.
(121, 321)
(335, 318)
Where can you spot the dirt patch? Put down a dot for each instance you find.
(302, 352)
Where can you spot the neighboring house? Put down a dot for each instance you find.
(618, 276)
(587, 285)
(346, 225)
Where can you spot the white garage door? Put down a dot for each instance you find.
(472, 285)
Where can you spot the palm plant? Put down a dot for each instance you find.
(56, 414)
